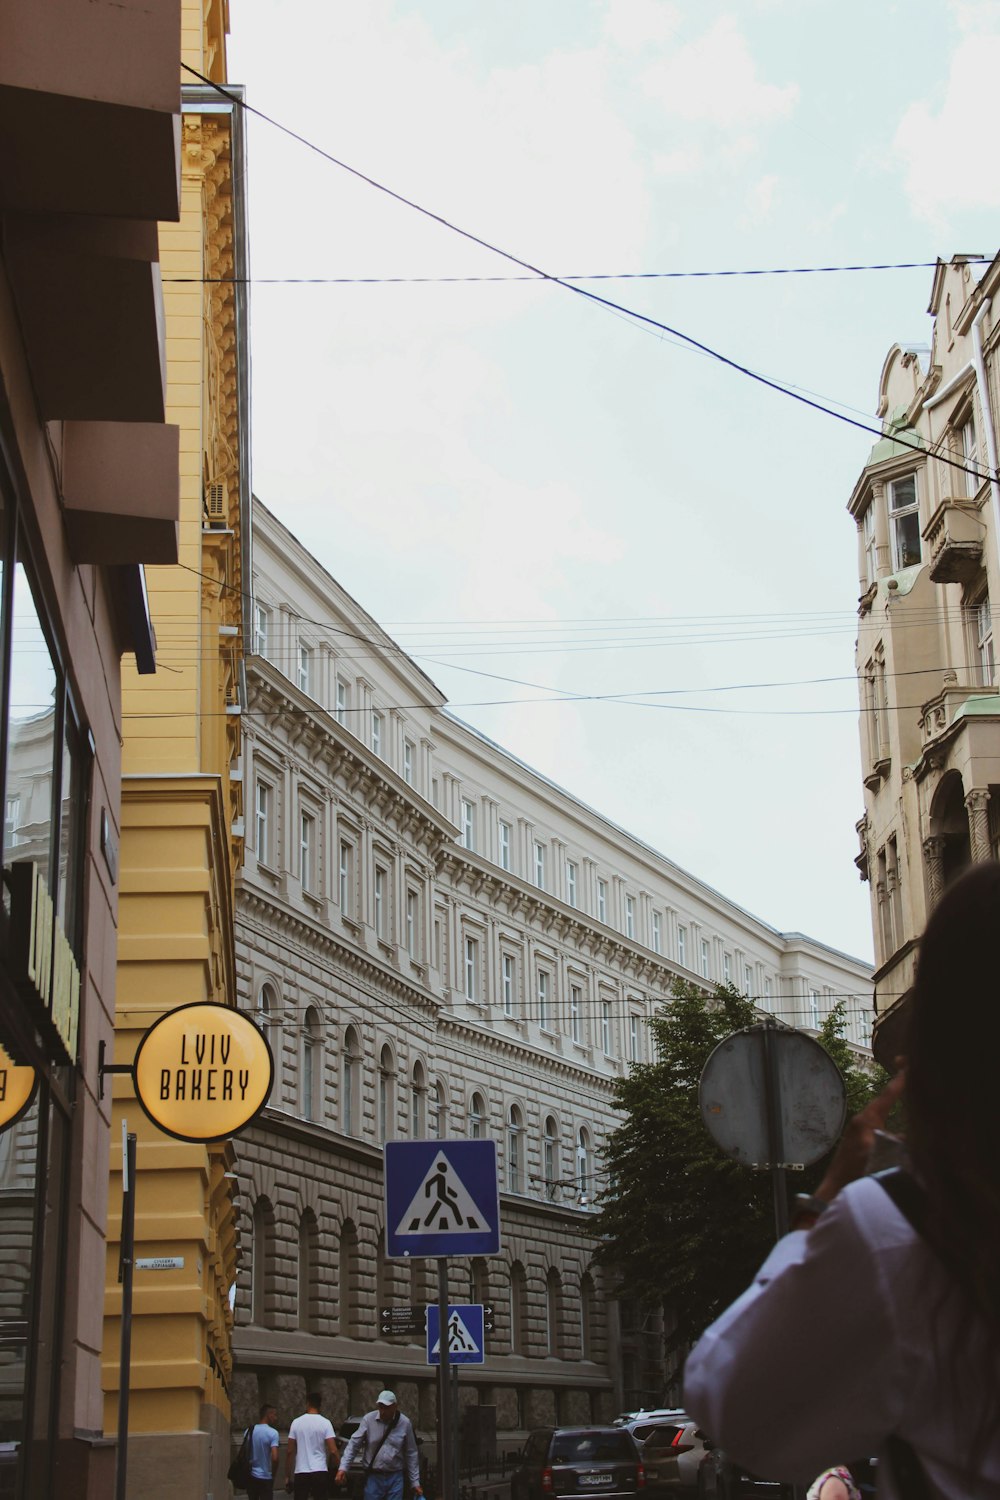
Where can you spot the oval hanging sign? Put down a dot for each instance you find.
(17, 1089)
(202, 1072)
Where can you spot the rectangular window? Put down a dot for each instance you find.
(408, 762)
(305, 669)
(571, 873)
(970, 457)
(261, 629)
(727, 969)
(682, 941)
(748, 981)
(543, 1000)
(345, 876)
(606, 1027)
(509, 979)
(904, 522)
(602, 900)
(262, 812)
(657, 934)
(814, 1008)
(504, 846)
(630, 916)
(381, 902)
(633, 1038)
(307, 856)
(343, 701)
(576, 1012)
(471, 969)
(704, 958)
(412, 923)
(540, 865)
(983, 624)
(468, 824)
(768, 994)
(376, 733)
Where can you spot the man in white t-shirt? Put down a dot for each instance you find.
(310, 1444)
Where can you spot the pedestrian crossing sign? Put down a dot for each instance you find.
(441, 1198)
(466, 1339)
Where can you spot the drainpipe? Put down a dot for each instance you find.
(987, 409)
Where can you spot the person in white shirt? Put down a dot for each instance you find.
(873, 1328)
(311, 1445)
(386, 1441)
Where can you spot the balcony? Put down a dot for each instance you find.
(954, 537)
(938, 714)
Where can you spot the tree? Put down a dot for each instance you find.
(681, 1225)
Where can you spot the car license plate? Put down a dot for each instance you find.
(596, 1479)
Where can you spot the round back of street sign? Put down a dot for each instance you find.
(811, 1098)
(17, 1090)
(202, 1072)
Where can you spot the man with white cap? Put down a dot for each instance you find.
(386, 1443)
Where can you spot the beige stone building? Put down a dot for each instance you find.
(442, 943)
(927, 507)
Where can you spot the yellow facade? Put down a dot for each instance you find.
(181, 837)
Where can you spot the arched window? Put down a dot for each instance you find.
(550, 1157)
(583, 1163)
(386, 1094)
(350, 1098)
(268, 1018)
(435, 1111)
(312, 1058)
(347, 1289)
(518, 1297)
(553, 1313)
(587, 1316)
(308, 1299)
(418, 1101)
(515, 1128)
(477, 1115)
(261, 1264)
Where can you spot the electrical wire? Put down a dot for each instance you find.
(900, 265)
(581, 291)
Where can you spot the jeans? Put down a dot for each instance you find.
(381, 1485)
(314, 1486)
(260, 1489)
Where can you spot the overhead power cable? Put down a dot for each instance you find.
(899, 265)
(581, 291)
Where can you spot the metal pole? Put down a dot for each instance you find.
(126, 1259)
(446, 1444)
(455, 1430)
(775, 1137)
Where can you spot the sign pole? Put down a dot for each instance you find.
(126, 1260)
(446, 1436)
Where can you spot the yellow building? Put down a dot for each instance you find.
(181, 837)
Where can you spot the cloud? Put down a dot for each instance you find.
(634, 24)
(759, 201)
(941, 148)
(714, 80)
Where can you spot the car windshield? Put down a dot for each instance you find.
(592, 1447)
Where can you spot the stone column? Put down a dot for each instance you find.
(979, 824)
(934, 864)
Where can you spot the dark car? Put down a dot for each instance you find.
(577, 1462)
(720, 1478)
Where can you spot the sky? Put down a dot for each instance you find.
(619, 557)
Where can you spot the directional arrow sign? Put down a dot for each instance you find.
(402, 1320)
(488, 1324)
(441, 1198)
(465, 1334)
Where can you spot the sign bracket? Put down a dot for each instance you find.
(103, 1068)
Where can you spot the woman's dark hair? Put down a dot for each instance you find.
(953, 1122)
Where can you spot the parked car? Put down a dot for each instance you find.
(578, 1462)
(672, 1450)
(648, 1414)
(355, 1487)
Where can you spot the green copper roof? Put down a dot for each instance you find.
(895, 427)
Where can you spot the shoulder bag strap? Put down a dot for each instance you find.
(378, 1445)
(908, 1473)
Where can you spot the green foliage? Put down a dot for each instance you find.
(681, 1225)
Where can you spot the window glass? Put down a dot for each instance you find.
(31, 748)
(905, 520)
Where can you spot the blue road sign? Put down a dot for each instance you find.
(441, 1198)
(466, 1334)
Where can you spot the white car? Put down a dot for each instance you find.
(672, 1448)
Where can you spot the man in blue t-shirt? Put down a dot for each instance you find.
(263, 1455)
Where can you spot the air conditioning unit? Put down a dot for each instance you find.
(217, 501)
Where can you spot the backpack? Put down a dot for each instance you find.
(239, 1469)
